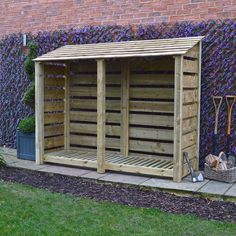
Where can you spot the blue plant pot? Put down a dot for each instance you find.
(25, 146)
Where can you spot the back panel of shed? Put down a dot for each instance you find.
(152, 113)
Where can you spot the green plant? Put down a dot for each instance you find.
(2, 161)
(27, 125)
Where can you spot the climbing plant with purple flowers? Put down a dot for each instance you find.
(218, 68)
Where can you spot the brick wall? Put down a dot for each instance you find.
(22, 15)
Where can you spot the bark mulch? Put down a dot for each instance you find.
(122, 194)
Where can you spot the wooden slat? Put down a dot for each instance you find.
(92, 129)
(39, 111)
(178, 160)
(151, 133)
(152, 120)
(54, 94)
(92, 104)
(190, 81)
(54, 70)
(189, 125)
(125, 81)
(101, 115)
(193, 52)
(54, 118)
(146, 106)
(92, 91)
(190, 96)
(152, 93)
(189, 139)
(190, 110)
(152, 79)
(53, 106)
(151, 147)
(53, 142)
(53, 130)
(54, 82)
(190, 66)
(192, 151)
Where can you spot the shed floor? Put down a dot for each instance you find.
(115, 162)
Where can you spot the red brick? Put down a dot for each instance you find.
(40, 15)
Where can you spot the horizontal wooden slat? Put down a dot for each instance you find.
(53, 118)
(53, 130)
(151, 79)
(55, 82)
(53, 142)
(192, 151)
(55, 70)
(151, 133)
(92, 91)
(151, 120)
(54, 94)
(190, 96)
(189, 139)
(92, 104)
(92, 116)
(193, 52)
(53, 106)
(92, 129)
(92, 141)
(157, 64)
(91, 79)
(151, 147)
(152, 93)
(190, 66)
(190, 125)
(190, 81)
(190, 110)
(147, 106)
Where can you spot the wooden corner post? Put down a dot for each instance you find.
(101, 115)
(125, 81)
(67, 109)
(39, 111)
(178, 155)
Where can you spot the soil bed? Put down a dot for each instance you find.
(127, 195)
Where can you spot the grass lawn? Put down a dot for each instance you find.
(30, 211)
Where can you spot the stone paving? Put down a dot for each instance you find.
(209, 187)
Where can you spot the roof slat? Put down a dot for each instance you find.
(157, 47)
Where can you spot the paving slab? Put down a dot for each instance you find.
(127, 179)
(185, 185)
(65, 170)
(26, 165)
(215, 187)
(94, 175)
(231, 192)
(10, 159)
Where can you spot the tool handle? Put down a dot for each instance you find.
(228, 146)
(230, 100)
(215, 144)
(217, 101)
(189, 164)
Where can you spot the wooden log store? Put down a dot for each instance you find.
(122, 106)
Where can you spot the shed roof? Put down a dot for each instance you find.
(140, 48)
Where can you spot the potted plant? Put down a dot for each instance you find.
(26, 128)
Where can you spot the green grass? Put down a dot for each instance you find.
(30, 211)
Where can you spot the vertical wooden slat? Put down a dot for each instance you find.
(199, 103)
(125, 81)
(101, 115)
(67, 109)
(39, 111)
(178, 157)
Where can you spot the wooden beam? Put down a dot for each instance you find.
(67, 109)
(178, 155)
(39, 111)
(125, 81)
(101, 115)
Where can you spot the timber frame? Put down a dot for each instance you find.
(125, 106)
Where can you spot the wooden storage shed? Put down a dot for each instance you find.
(122, 106)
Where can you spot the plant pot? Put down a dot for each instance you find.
(25, 145)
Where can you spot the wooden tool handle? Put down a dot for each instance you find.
(230, 100)
(217, 100)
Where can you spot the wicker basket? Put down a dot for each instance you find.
(228, 176)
